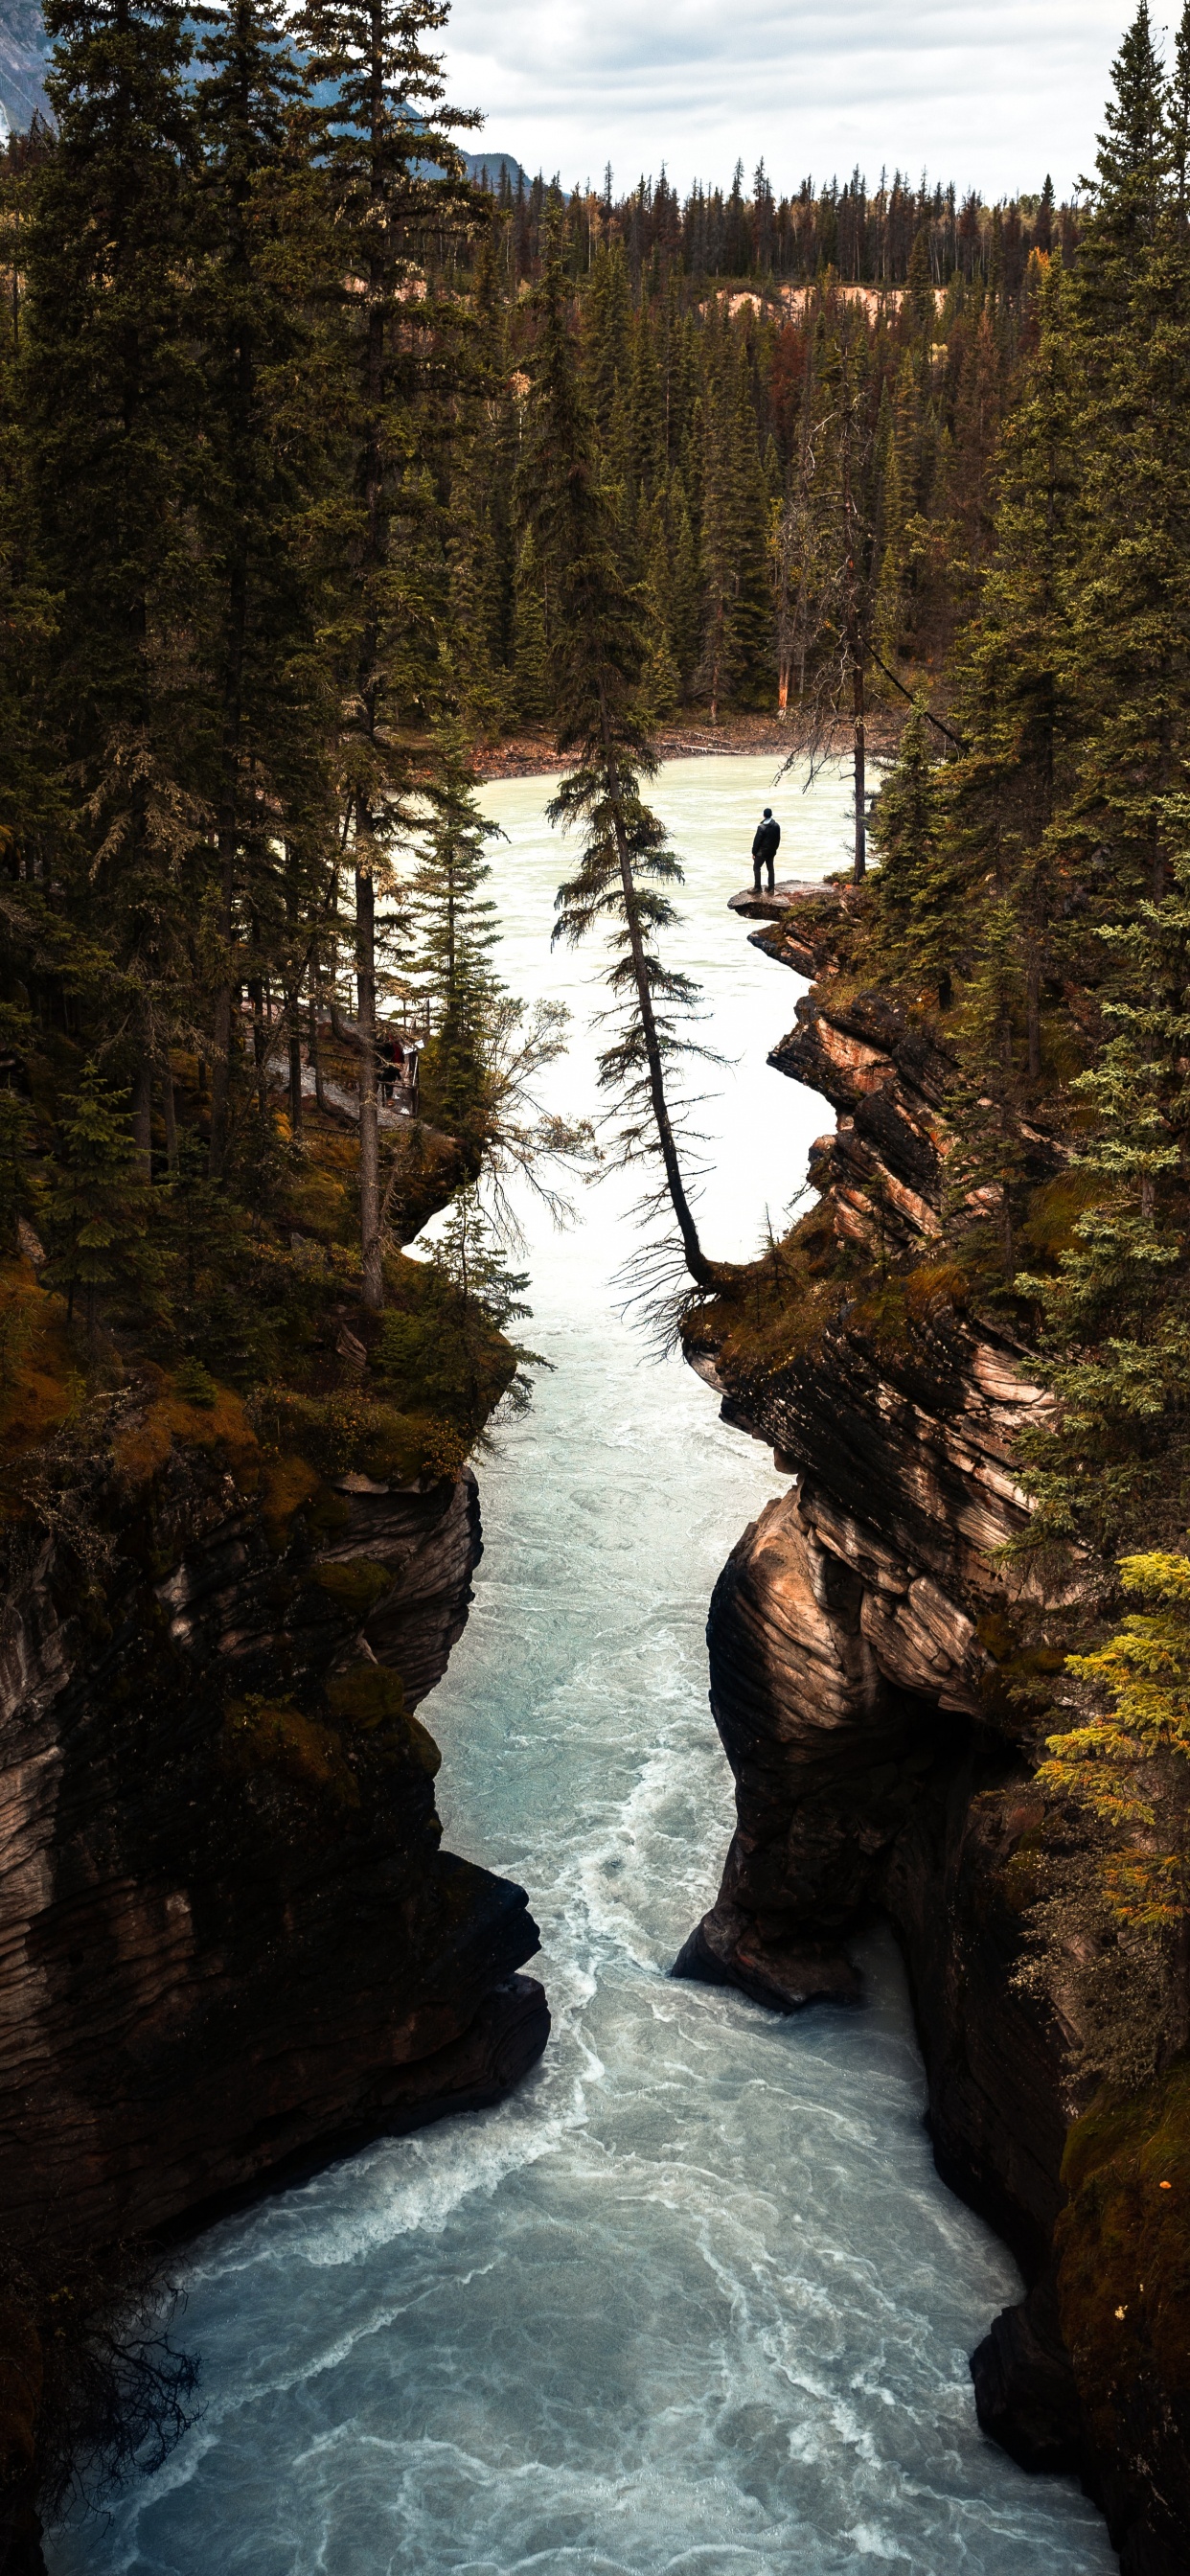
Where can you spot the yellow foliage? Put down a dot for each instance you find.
(1113, 1764)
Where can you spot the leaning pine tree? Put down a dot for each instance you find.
(600, 652)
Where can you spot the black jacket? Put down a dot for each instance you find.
(767, 842)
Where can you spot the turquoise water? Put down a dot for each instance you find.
(695, 2299)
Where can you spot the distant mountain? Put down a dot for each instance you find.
(489, 166)
(23, 49)
(22, 61)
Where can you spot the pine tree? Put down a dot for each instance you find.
(1131, 600)
(388, 129)
(661, 685)
(737, 657)
(480, 543)
(267, 444)
(97, 1205)
(607, 339)
(1131, 167)
(833, 537)
(646, 414)
(455, 924)
(683, 585)
(914, 892)
(531, 663)
(1115, 1466)
(32, 787)
(113, 404)
(626, 863)
(1019, 705)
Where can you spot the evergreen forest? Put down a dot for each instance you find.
(323, 472)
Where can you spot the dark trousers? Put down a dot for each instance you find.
(757, 865)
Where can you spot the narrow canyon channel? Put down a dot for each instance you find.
(694, 2299)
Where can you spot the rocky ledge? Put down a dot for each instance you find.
(229, 1930)
(232, 1943)
(864, 1644)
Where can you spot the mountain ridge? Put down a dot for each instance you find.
(24, 50)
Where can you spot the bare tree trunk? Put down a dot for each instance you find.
(369, 1121)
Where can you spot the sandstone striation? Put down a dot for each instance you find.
(862, 1640)
(231, 1942)
(229, 1932)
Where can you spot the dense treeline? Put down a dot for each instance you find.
(237, 820)
(302, 495)
(867, 239)
(269, 563)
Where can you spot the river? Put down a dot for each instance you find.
(694, 2301)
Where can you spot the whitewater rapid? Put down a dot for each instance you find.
(693, 2302)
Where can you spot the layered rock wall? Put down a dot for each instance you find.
(229, 1936)
(861, 1680)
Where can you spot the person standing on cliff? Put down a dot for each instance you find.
(764, 849)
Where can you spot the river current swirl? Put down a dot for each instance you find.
(693, 2302)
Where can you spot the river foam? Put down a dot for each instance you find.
(693, 2302)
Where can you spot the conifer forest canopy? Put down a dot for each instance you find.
(331, 477)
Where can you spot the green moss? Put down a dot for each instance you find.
(271, 1735)
(996, 1635)
(1054, 1211)
(774, 1310)
(351, 1429)
(289, 1483)
(367, 1695)
(372, 1699)
(355, 1584)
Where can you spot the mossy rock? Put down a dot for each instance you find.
(319, 1204)
(1123, 2245)
(273, 1736)
(354, 1583)
(372, 1698)
(289, 1483)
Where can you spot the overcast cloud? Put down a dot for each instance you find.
(990, 97)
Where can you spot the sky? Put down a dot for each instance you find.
(992, 96)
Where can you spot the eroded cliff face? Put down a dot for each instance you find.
(864, 1642)
(229, 1932)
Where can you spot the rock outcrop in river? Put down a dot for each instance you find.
(865, 1643)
